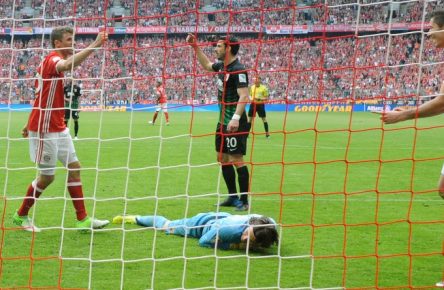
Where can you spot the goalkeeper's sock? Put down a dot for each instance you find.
(230, 179)
(75, 190)
(166, 117)
(155, 117)
(243, 177)
(33, 192)
(151, 220)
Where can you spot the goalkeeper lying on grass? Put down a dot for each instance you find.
(221, 230)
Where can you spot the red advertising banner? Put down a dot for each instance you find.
(268, 29)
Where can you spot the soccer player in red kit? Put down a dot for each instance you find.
(49, 138)
(161, 102)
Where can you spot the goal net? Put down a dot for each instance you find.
(355, 200)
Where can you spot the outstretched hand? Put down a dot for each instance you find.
(391, 117)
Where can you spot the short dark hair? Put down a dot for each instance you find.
(57, 33)
(265, 232)
(437, 17)
(230, 40)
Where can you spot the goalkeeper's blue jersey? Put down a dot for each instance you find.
(213, 229)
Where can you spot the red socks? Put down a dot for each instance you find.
(76, 192)
(34, 191)
(74, 189)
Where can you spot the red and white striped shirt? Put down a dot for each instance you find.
(48, 111)
(162, 98)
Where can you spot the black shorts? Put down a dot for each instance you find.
(257, 108)
(73, 113)
(232, 143)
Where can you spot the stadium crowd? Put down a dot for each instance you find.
(293, 68)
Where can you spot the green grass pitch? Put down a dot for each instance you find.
(358, 204)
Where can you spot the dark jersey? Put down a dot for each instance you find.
(228, 81)
(72, 94)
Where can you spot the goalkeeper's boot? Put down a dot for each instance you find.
(25, 223)
(89, 223)
(230, 201)
(127, 219)
(240, 206)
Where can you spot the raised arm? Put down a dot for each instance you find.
(76, 59)
(203, 59)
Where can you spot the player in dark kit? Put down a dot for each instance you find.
(72, 95)
(233, 127)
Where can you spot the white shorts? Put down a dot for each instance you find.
(46, 148)
(162, 106)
